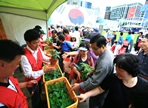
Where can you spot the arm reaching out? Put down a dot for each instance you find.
(27, 84)
(94, 92)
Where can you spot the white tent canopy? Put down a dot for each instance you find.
(15, 26)
(17, 16)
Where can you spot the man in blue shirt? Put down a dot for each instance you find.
(129, 39)
(64, 47)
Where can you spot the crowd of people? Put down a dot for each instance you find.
(124, 44)
(126, 86)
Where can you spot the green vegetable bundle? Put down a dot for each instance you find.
(52, 75)
(49, 40)
(46, 48)
(55, 54)
(85, 70)
(58, 95)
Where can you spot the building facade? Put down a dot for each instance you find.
(107, 13)
(146, 1)
(127, 11)
(119, 12)
(133, 15)
(81, 3)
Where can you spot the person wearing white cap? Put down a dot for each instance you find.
(81, 57)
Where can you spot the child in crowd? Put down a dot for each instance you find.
(64, 46)
(73, 43)
(119, 44)
(66, 34)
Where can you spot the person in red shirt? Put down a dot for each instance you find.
(11, 95)
(66, 34)
(49, 32)
(31, 63)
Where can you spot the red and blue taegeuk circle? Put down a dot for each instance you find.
(76, 16)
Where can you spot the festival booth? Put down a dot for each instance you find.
(17, 16)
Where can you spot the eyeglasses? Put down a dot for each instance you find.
(94, 48)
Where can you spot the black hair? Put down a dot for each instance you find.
(31, 35)
(72, 38)
(9, 50)
(52, 27)
(129, 63)
(84, 44)
(54, 31)
(38, 31)
(38, 27)
(99, 39)
(146, 36)
(121, 33)
(65, 31)
(129, 32)
(141, 33)
(76, 28)
(58, 26)
(61, 37)
(59, 33)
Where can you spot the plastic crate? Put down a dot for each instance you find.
(47, 51)
(57, 67)
(48, 47)
(68, 86)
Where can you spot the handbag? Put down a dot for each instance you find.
(125, 43)
(122, 50)
(113, 48)
(139, 43)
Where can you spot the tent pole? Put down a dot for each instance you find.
(47, 28)
(47, 24)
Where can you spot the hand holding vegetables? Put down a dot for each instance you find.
(48, 69)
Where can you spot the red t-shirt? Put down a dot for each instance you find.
(67, 38)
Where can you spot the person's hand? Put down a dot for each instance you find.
(78, 75)
(82, 97)
(45, 62)
(48, 69)
(76, 86)
(31, 83)
(65, 55)
(44, 44)
(107, 40)
(53, 45)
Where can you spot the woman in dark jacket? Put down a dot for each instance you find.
(126, 89)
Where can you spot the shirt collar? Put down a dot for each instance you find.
(31, 50)
(103, 54)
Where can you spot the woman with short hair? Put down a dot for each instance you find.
(126, 89)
